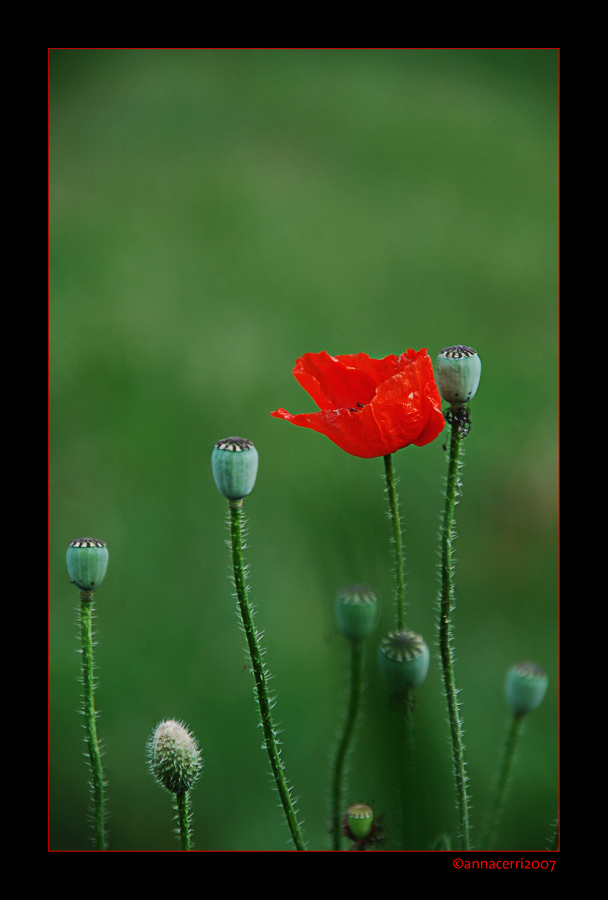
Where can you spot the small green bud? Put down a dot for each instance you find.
(356, 612)
(458, 372)
(175, 759)
(525, 687)
(403, 660)
(234, 463)
(87, 561)
(359, 819)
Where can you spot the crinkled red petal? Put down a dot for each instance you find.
(370, 407)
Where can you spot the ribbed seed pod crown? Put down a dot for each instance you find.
(175, 759)
(359, 820)
(87, 561)
(356, 612)
(458, 371)
(403, 660)
(234, 463)
(525, 687)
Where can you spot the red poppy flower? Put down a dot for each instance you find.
(370, 407)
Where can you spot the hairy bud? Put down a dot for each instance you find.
(175, 759)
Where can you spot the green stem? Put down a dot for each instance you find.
(445, 637)
(270, 740)
(183, 816)
(406, 774)
(354, 705)
(397, 540)
(407, 782)
(502, 780)
(97, 785)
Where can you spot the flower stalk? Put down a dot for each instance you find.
(525, 688)
(88, 708)
(182, 802)
(513, 737)
(350, 724)
(357, 617)
(234, 464)
(259, 672)
(393, 500)
(458, 375)
(403, 661)
(447, 605)
(87, 562)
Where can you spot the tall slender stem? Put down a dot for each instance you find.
(504, 773)
(270, 739)
(397, 540)
(354, 705)
(97, 785)
(447, 606)
(407, 792)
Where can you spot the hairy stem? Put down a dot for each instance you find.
(447, 605)
(182, 802)
(255, 653)
(407, 793)
(397, 540)
(350, 724)
(504, 773)
(97, 785)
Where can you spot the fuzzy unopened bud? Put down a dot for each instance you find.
(175, 759)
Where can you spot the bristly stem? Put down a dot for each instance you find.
(504, 773)
(97, 785)
(354, 705)
(270, 739)
(407, 787)
(447, 605)
(182, 802)
(397, 540)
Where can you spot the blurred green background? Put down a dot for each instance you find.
(214, 214)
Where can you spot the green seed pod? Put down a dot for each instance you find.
(87, 561)
(356, 612)
(403, 660)
(359, 819)
(525, 687)
(458, 372)
(234, 463)
(175, 759)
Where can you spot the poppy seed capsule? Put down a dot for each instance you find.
(234, 463)
(359, 819)
(175, 759)
(525, 687)
(87, 561)
(403, 660)
(356, 612)
(458, 374)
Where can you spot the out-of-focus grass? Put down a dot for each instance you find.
(214, 214)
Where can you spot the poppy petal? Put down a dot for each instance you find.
(370, 407)
(332, 382)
